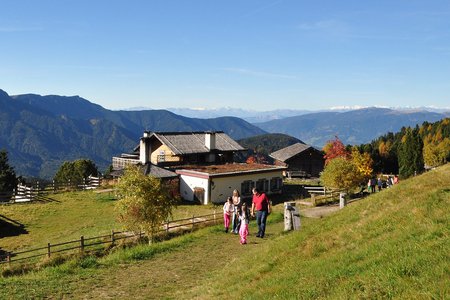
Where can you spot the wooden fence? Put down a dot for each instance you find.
(38, 191)
(84, 244)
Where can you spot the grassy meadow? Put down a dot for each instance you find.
(67, 216)
(393, 244)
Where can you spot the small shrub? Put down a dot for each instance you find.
(88, 262)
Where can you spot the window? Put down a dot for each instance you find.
(246, 187)
(262, 185)
(161, 156)
(276, 184)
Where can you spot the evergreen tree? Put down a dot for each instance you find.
(76, 171)
(8, 179)
(410, 157)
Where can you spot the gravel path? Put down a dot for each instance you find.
(319, 212)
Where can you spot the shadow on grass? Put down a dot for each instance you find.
(45, 199)
(10, 227)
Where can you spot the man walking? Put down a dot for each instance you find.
(261, 204)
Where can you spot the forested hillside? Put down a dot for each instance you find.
(268, 143)
(352, 127)
(41, 132)
(411, 150)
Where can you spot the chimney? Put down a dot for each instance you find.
(210, 140)
(145, 148)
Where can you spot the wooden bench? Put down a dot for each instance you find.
(315, 189)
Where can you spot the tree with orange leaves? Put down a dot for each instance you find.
(335, 148)
(251, 160)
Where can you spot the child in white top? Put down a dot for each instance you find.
(228, 209)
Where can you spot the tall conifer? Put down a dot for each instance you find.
(8, 179)
(410, 158)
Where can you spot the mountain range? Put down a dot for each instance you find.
(254, 116)
(352, 127)
(41, 132)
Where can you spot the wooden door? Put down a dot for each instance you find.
(199, 195)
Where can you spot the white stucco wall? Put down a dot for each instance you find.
(221, 187)
(187, 185)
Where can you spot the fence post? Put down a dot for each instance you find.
(342, 200)
(167, 226)
(112, 237)
(48, 250)
(8, 257)
(215, 222)
(29, 193)
(82, 244)
(193, 222)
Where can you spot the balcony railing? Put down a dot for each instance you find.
(121, 163)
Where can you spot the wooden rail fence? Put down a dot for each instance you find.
(84, 243)
(38, 191)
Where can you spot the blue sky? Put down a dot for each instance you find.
(260, 55)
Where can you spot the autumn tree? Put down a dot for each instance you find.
(436, 139)
(436, 154)
(363, 163)
(340, 173)
(333, 149)
(257, 159)
(251, 160)
(144, 202)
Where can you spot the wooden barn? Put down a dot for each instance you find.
(173, 149)
(300, 159)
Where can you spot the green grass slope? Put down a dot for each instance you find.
(65, 217)
(394, 244)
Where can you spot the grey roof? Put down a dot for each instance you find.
(290, 151)
(151, 169)
(194, 142)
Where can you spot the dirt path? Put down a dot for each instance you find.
(183, 269)
(168, 275)
(319, 212)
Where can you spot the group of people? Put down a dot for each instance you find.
(373, 183)
(236, 214)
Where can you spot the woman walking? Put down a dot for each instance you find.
(235, 221)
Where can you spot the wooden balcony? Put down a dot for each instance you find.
(120, 162)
